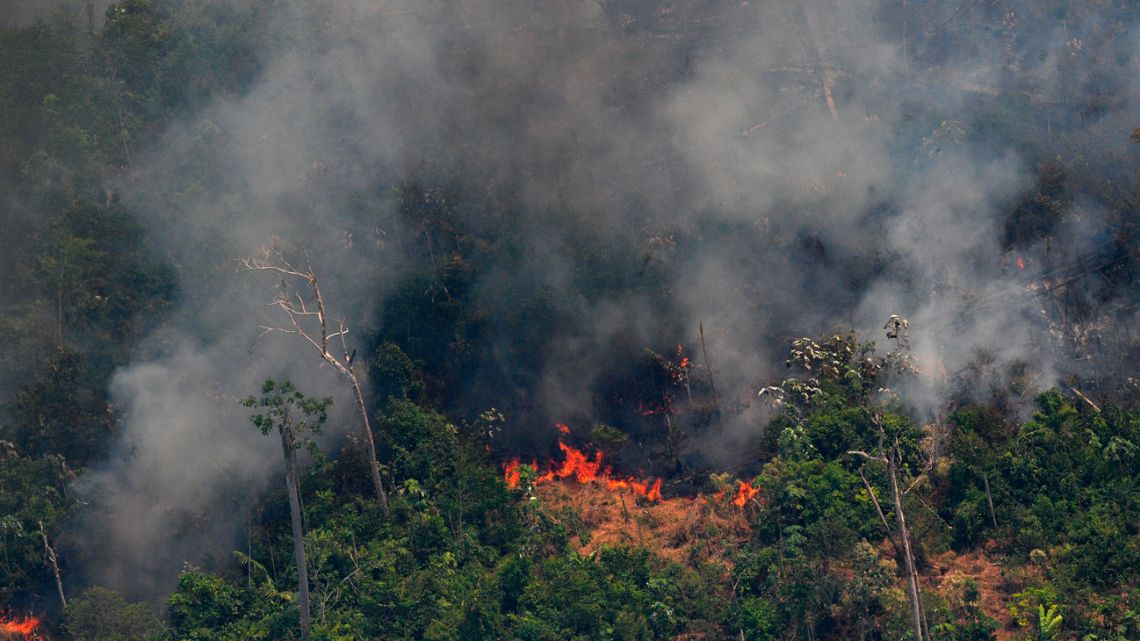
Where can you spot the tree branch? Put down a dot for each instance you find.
(274, 261)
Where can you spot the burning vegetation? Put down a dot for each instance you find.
(744, 493)
(704, 528)
(540, 206)
(26, 628)
(591, 501)
(583, 468)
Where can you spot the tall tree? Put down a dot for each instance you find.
(309, 320)
(892, 458)
(292, 414)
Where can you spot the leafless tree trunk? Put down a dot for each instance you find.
(708, 366)
(59, 309)
(53, 561)
(891, 460)
(989, 499)
(879, 510)
(813, 38)
(302, 312)
(289, 445)
(908, 558)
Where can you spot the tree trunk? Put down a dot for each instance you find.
(908, 558)
(708, 366)
(288, 442)
(879, 510)
(373, 462)
(297, 308)
(989, 499)
(53, 560)
(819, 50)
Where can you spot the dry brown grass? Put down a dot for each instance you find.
(995, 586)
(705, 528)
(682, 529)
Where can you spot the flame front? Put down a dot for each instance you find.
(583, 468)
(651, 491)
(26, 627)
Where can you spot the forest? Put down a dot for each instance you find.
(570, 320)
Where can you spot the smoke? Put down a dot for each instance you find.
(16, 13)
(763, 170)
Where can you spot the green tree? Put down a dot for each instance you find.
(285, 409)
(34, 495)
(101, 614)
(62, 411)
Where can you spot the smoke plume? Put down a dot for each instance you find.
(762, 169)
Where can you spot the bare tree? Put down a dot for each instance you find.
(892, 459)
(53, 560)
(308, 319)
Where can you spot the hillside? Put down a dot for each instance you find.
(569, 320)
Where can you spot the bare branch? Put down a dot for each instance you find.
(861, 453)
(299, 307)
(879, 510)
(1084, 398)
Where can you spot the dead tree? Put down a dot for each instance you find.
(309, 320)
(53, 561)
(816, 47)
(708, 366)
(892, 458)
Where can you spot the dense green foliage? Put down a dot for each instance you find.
(464, 558)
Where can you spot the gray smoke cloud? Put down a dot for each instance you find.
(783, 161)
(16, 13)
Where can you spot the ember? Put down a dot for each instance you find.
(684, 364)
(665, 407)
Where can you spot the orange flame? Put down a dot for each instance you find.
(744, 493)
(1020, 263)
(583, 468)
(651, 491)
(511, 474)
(26, 626)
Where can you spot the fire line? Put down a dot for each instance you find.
(583, 468)
(24, 627)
